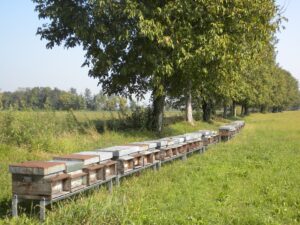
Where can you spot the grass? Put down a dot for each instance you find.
(253, 179)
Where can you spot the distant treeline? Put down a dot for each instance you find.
(46, 98)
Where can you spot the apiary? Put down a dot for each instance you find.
(215, 136)
(239, 124)
(110, 169)
(77, 180)
(36, 179)
(156, 154)
(165, 153)
(149, 157)
(226, 132)
(175, 150)
(85, 159)
(138, 160)
(183, 148)
(95, 173)
(123, 150)
(77, 177)
(125, 164)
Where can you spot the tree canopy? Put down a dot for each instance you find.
(216, 51)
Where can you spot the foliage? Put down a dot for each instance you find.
(54, 99)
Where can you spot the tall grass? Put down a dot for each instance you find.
(253, 179)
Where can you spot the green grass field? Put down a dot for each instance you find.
(253, 179)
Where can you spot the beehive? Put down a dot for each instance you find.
(165, 153)
(110, 169)
(77, 180)
(175, 150)
(226, 132)
(149, 157)
(125, 164)
(95, 173)
(182, 149)
(156, 154)
(35, 179)
(138, 160)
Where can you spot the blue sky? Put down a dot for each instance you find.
(25, 61)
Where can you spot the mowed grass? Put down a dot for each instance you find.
(253, 179)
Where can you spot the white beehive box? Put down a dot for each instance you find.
(86, 159)
(103, 156)
(122, 150)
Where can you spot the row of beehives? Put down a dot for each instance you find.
(70, 173)
(230, 130)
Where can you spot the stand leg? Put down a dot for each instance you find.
(43, 209)
(184, 157)
(154, 167)
(110, 186)
(118, 180)
(158, 165)
(15, 206)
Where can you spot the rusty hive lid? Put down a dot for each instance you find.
(37, 168)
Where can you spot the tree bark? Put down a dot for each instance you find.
(243, 110)
(206, 107)
(233, 109)
(225, 109)
(188, 105)
(246, 110)
(158, 112)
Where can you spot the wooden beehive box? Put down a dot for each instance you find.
(226, 131)
(156, 154)
(165, 153)
(138, 160)
(191, 145)
(182, 149)
(77, 180)
(77, 177)
(36, 179)
(110, 169)
(125, 164)
(95, 173)
(149, 157)
(175, 150)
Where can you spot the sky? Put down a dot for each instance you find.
(25, 61)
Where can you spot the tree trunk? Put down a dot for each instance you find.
(262, 108)
(246, 110)
(188, 105)
(206, 107)
(243, 110)
(158, 112)
(225, 111)
(233, 109)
